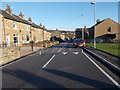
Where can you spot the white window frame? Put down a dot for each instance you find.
(15, 25)
(27, 27)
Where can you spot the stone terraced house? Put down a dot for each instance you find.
(16, 30)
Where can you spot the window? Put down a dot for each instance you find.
(22, 37)
(27, 37)
(14, 25)
(26, 27)
(109, 29)
(15, 36)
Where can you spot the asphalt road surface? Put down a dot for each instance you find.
(60, 66)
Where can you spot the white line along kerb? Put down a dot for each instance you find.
(104, 60)
(107, 75)
(48, 61)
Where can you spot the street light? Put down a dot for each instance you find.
(43, 35)
(82, 28)
(94, 3)
(43, 32)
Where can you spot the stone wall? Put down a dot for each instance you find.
(8, 54)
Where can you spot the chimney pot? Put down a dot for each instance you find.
(21, 15)
(98, 20)
(29, 19)
(8, 9)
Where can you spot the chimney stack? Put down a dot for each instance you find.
(21, 15)
(98, 20)
(29, 19)
(40, 25)
(8, 9)
(43, 26)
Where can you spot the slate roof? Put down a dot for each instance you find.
(18, 19)
(98, 23)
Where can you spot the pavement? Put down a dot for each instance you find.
(59, 66)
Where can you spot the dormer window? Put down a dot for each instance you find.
(15, 25)
(109, 29)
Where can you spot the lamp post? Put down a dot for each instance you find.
(94, 3)
(43, 36)
(82, 28)
(43, 32)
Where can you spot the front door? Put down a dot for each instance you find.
(8, 40)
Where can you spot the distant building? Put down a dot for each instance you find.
(56, 33)
(78, 33)
(70, 34)
(63, 34)
(106, 29)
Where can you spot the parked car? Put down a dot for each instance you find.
(71, 40)
(79, 43)
(98, 40)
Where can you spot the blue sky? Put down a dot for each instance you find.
(64, 15)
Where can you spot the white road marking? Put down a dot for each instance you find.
(105, 60)
(107, 75)
(64, 53)
(49, 61)
(60, 49)
(40, 53)
(76, 53)
(82, 50)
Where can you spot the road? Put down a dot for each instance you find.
(59, 66)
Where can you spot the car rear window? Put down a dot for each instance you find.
(79, 41)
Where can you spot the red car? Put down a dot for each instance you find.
(79, 43)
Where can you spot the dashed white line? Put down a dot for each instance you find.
(49, 61)
(107, 75)
(60, 49)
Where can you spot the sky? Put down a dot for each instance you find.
(64, 15)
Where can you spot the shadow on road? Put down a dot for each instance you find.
(81, 79)
(32, 79)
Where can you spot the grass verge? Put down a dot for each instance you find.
(112, 48)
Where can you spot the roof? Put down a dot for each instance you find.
(101, 22)
(98, 23)
(18, 19)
